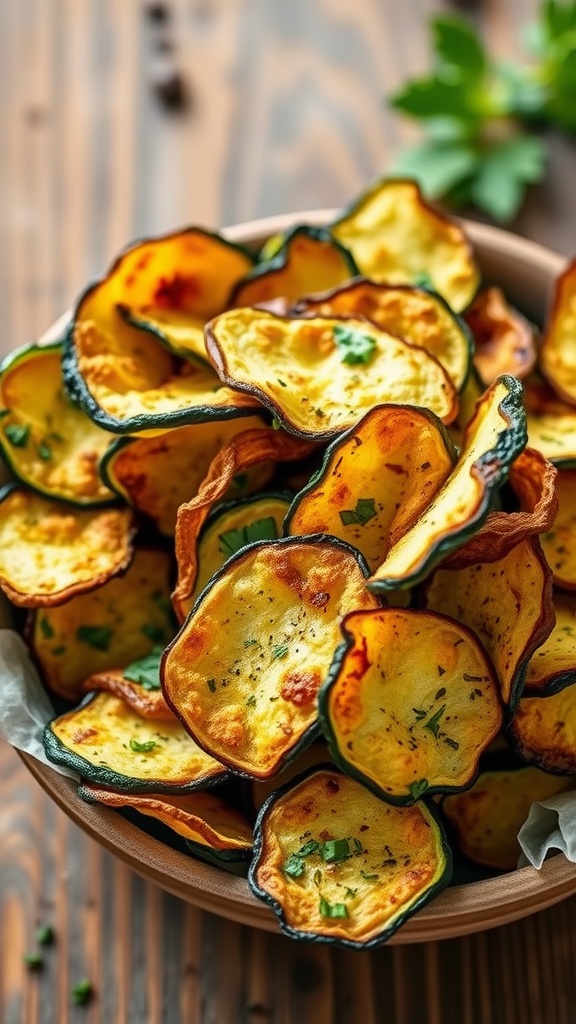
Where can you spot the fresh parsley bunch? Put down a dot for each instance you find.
(479, 116)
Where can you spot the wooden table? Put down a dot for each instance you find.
(285, 113)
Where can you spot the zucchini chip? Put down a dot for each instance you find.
(558, 348)
(179, 332)
(543, 731)
(551, 424)
(148, 702)
(51, 445)
(419, 316)
(309, 260)
(553, 665)
(109, 743)
(377, 479)
(107, 628)
(319, 376)
(504, 340)
(233, 526)
(49, 551)
(559, 543)
(508, 605)
(350, 878)
(127, 383)
(494, 438)
(533, 481)
(244, 671)
(488, 817)
(396, 236)
(209, 824)
(157, 474)
(410, 704)
(247, 449)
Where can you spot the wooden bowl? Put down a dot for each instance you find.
(526, 271)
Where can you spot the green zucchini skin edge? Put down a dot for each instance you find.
(220, 510)
(332, 741)
(8, 363)
(80, 394)
(280, 259)
(314, 729)
(158, 334)
(59, 754)
(299, 307)
(295, 933)
(508, 446)
(342, 439)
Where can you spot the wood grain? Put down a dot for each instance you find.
(286, 113)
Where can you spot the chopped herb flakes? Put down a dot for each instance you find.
(365, 511)
(17, 435)
(354, 346)
(45, 935)
(44, 451)
(312, 846)
(146, 671)
(34, 961)
(335, 850)
(332, 909)
(251, 702)
(280, 651)
(81, 992)
(294, 866)
(98, 637)
(260, 529)
(46, 628)
(417, 789)
(369, 878)
(433, 723)
(142, 748)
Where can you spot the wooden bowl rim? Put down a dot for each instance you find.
(457, 911)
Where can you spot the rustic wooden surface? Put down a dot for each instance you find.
(285, 113)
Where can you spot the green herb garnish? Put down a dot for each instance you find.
(368, 877)
(294, 866)
(334, 850)
(433, 723)
(45, 935)
(154, 633)
(17, 435)
(355, 347)
(365, 511)
(33, 960)
(46, 628)
(332, 909)
(261, 529)
(81, 992)
(312, 846)
(417, 789)
(44, 451)
(146, 671)
(280, 651)
(251, 702)
(142, 748)
(98, 637)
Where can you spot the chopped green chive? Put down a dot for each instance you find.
(250, 643)
(312, 846)
(417, 789)
(368, 877)
(355, 347)
(280, 651)
(81, 992)
(365, 511)
(251, 702)
(350, 893)
(17, 435)
(98, 637)
(145, 671)
(358, 848)
(294, 866)
(433, 723)
(276, 425)
(335, 849)
(142, 748)
(332, 909)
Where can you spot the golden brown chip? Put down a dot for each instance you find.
(559, 543)
(553, 665)
(558, 349)
(543, 731)
(505, 342)
(147, 703)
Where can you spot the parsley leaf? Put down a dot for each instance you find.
(365, 511)
(81, 992)
(417, 789)
(332, 909)
(146, 671)
(261, 529)
(98, 637)
(142, 748)
(294, 866)
(433, 723)
(354, 346)
(17, 435)
(46, 628)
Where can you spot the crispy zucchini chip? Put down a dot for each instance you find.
(233, 526)
(419, 316)
(410, 704)
(350, 879)
(494, 438)
(128, 383)
(319, 376)
(543, 731)
(157, 474)
(559, 543)
(533, 481)
(553, 665)
(50, 552)
(504, 340)
(146, 702)
(558, 348)
(180, 332)
(309, 260)
(508, 605)
(51, 445)
(551, 423)
(377, 479)
(109, 743)
(488, 817)
(247, 449)
(201, 818)
(244, 671)
(396, 236)
(107, 628)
